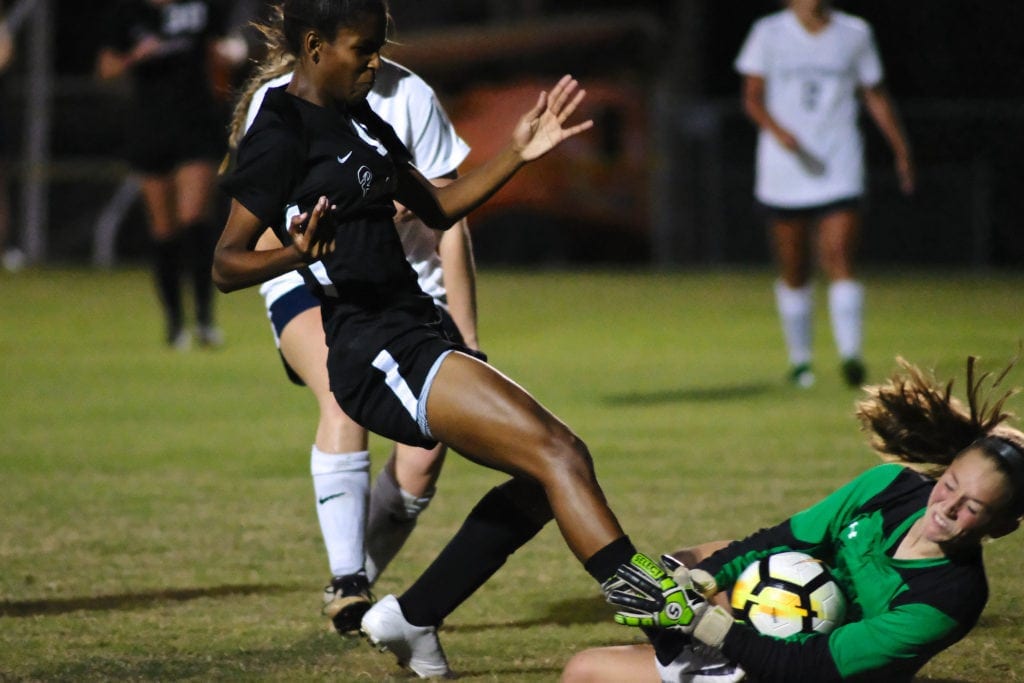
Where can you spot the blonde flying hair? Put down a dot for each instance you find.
(915, 419)
(277, 61)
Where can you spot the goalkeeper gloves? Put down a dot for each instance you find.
(648, 597)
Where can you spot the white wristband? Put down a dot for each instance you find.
(713, 625)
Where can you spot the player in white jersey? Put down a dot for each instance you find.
(340, 457)
(804, 68)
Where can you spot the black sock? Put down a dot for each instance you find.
(604, 562)
(201, 244)
(167, 271)
(499, 525)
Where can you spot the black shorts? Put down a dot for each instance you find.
(386, 392)
(813, 212)
(300, 299)
(157, 144)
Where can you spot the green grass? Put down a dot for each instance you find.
(156, 507)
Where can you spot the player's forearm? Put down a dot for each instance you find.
(882, 111)
(460, 281)
(235, 268)
(469, 191)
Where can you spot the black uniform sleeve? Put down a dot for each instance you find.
(270, 158)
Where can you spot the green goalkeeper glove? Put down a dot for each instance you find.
(649, 597)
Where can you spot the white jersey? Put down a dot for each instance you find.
(811, 83)
(405, 101)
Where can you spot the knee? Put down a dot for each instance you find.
(583, 667)
(565, 455)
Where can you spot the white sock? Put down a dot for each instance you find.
(846, 308)
(341, 482)
(392, 518)
(796, 312)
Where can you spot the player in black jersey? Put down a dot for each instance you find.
(903, 541)
(174, 137)
(323, 170)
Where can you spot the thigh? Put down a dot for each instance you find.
(612, 665)
(838, 238)
(157, 193)
(487, 417)
(304, 350)
(193, 182)
(790, 236)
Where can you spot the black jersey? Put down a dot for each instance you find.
(294, 153)
(900, 612)
(176, 79)
(371, 304)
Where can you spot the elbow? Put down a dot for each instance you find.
(222, 277)
(222, 283)
(437, 220)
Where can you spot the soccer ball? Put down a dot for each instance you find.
(788, 593)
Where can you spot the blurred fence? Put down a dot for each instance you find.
(661, 180)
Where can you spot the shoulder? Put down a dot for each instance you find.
(256, 103)
(888, 473)
(851, 24)
(893, 481)
(397, 83)
(771, 22)
(276, 128)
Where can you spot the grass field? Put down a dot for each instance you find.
(157, 517)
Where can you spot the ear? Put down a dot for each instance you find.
(311, 42)
(1003, 527)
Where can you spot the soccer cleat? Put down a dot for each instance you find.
(801, 375)
(13, 260)
(853, 372)
(346, 599)
(416, 647)
(179, 340)
(209, 336)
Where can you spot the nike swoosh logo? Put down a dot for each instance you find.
(343, 159)
(330, 497)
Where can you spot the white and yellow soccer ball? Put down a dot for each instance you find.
(788, 593)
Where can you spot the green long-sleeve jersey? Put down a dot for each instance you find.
(900, 612)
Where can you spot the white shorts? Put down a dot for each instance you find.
(700, 664)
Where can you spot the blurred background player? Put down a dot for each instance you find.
(803, 70)
(174, 136)
(904, 541)
(340, 461)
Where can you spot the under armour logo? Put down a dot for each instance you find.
(852, 533)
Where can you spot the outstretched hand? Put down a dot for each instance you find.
(312, 231)
(543, 127)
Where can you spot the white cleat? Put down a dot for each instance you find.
(416, 647)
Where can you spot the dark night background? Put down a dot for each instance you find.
(954, 67)
(932, 48)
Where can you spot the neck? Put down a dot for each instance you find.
(915, 546)
(813, 16)
(303, 86)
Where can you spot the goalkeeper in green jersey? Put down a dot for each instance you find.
(904, 541)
